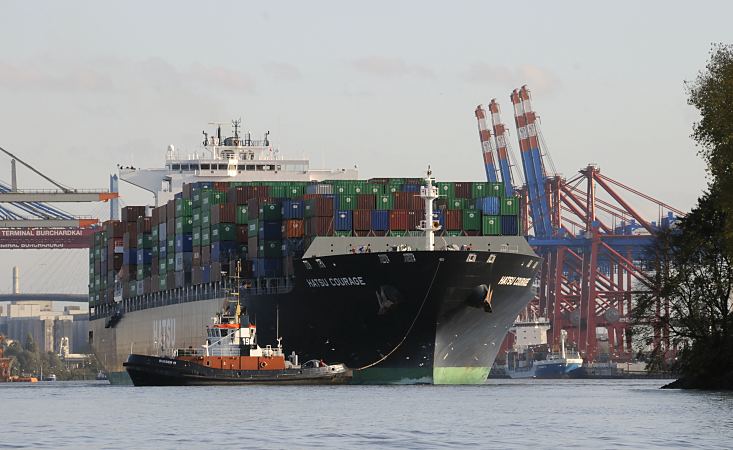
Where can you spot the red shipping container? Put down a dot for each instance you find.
(463, 190)
(414, 218)
(398, 220)
(416, 203)
(223, 213)
(252, 247)
(254, 192)
(362, 219)
(114, 228)
(162, 214)
(131, 213)
(170, 210)
(293, 228)
(205, 255)
(453, 219)
(221, 186)
(319, 226)
(145, 224)
(253, 206)
(187, 191)
(365, 201)
(321, 206)
(402, 200)
(196, 256)
(242, 233)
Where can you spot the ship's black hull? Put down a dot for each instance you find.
(421, 317)
(160, 371)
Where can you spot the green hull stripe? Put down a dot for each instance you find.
(460, 375)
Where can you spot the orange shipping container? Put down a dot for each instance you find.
(293, 228)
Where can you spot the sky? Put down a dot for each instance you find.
(388, 86)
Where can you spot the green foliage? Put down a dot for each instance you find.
(692, 301)
(29, 362)
(712, 94)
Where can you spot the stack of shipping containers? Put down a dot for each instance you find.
(267, 225)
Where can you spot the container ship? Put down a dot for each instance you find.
(404, 280)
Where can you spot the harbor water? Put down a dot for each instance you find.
(501, 414)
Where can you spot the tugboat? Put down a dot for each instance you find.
(231, 355)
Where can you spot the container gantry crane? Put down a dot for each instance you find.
(593, 243)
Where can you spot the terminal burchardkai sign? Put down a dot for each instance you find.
(45, 238)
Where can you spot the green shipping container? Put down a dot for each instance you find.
(278, 191)
(171, 265)
(144, 271)
(459, 203)
(184, 225)
(212, 198)
(347, 202)
(342, 233)
(196, 237)
(491, 225)
(270, 249)
(205, 236)
(223, 232)
(205, 218)
(242, 218)
(294, 191)
(510, 206)
(480, 189)
(196, 216)
(471, 220)
(184, 207)
(171, 245)
(143, 241)
(162, 267)
(496, 189)
(162, 283)
(374, 189)
(252, 229)
(385, 202)
(155, 233)
(270, 211)
(446, 189)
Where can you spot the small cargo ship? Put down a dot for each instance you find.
(231, 355)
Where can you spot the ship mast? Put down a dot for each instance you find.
(429, 193)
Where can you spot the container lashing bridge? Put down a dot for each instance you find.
(593, 242)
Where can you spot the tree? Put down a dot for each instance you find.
(712, 94)
(692, 302)
(694, 278)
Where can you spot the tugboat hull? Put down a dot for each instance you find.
(160, 371)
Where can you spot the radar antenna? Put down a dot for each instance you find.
(236, 124)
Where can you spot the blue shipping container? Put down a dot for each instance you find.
(509, 225)
(267, 267)
(206, 274)
(439, 215)
(223, 251)
(293, 247)
(144, 256)
(410, 188)
(292, 209)
(269, 230)
(184, 243)
(129, 256)
(162, 232)
(343, 221)
(380, 220)
(489, 206)
(162, 250)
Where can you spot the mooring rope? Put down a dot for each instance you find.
(430, 287)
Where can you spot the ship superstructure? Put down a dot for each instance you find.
(226, 159)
